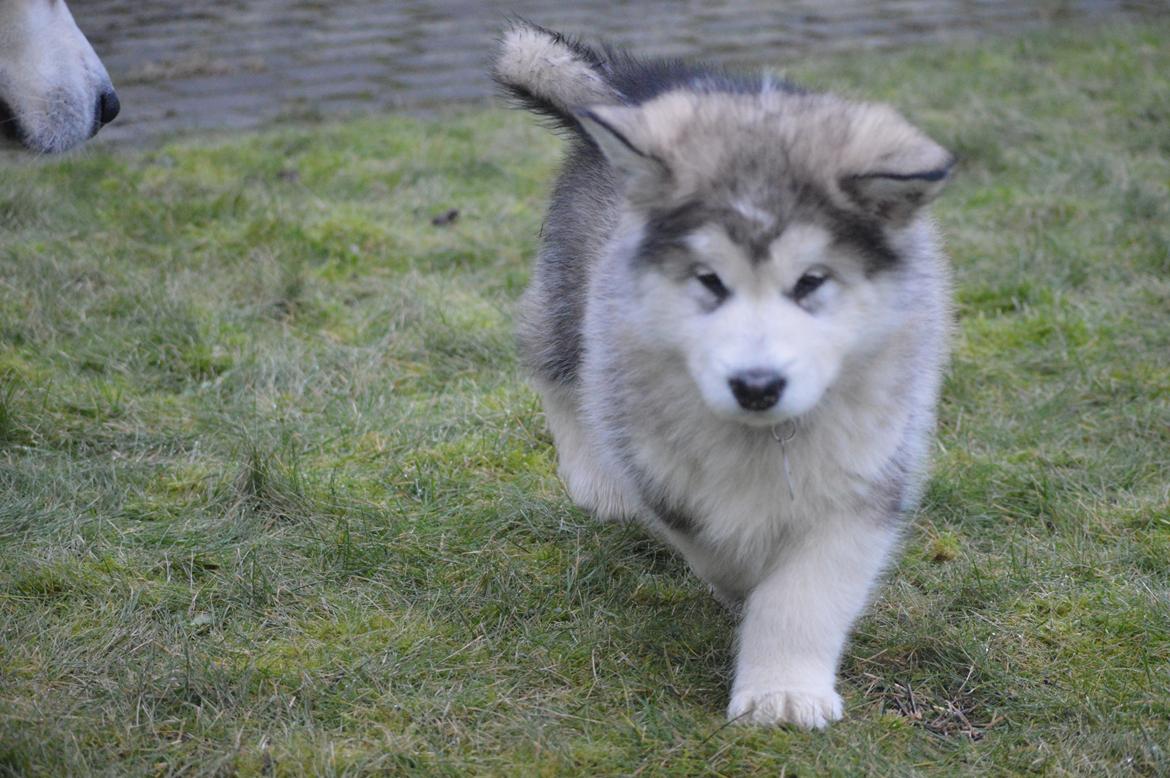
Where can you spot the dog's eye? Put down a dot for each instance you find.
(808, 283)
(713, 283)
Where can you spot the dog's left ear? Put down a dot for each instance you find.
(901, 182)
(624, 135)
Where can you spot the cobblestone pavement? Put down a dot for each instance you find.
(183, 65)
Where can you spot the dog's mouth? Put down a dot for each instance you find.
(9, 125)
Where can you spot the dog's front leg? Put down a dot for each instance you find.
(796, 620)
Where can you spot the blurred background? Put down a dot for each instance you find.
(231, 64)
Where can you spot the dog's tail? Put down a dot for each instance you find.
(552, 74)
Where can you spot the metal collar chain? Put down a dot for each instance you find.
(782, 433)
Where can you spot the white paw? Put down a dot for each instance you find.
(597, 495)
(807, 709)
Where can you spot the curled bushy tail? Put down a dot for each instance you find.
(552, 74)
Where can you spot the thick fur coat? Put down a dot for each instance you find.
(738, 323)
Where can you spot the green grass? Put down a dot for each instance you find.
(274, 498)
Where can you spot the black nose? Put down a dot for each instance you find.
(756, 390)
(108, 107)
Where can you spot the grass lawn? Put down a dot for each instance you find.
(274, 498)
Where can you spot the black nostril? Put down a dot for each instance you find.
(108, 107)
(756, 390)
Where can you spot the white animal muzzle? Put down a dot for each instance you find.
(54, 91)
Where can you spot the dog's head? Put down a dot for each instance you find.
(54, 91)
(769, 236)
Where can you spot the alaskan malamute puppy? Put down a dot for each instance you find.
(738, 322)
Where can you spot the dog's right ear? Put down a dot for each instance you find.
(890, 168)
(896, 194)
(625, 138)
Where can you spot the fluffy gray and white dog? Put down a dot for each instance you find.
(54, 91)
(738, 322)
